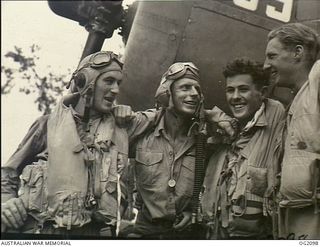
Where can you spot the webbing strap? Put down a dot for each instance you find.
(69, 217)
(280, 220)
(249, 203)
(60, 213)
(171, 205)
(247, 211)
(316, 181)
(224, 206)
(286, 220)
(119, 204)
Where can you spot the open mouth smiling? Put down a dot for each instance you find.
(108, 99)
(238, 106)
(191, 102)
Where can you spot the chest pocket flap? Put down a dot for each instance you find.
(149, 158)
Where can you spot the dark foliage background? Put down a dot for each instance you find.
(26, 75)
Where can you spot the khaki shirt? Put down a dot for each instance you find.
(158, 160)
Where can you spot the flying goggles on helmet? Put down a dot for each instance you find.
(176, 71)
(179, 70)
(100, 59)
(91, 67)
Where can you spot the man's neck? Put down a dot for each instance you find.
(298, 79)
(95, 115)
(80, 109)
(175, 124)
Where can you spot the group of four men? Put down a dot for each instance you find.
(66, 177)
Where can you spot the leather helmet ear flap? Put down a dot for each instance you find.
(80, 80)
(163, 98)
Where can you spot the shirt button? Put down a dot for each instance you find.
(170, 153)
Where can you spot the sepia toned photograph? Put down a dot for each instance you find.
(160, 120)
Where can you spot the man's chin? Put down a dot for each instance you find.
(279, 83)
(238, 116)
(189, 114)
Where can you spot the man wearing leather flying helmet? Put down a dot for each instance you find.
(99, 75)
(165, 157)
(188, 71)
(79, 193)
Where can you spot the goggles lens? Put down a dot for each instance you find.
(103, 59)
(178, 70)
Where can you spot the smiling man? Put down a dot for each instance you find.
(165, 157)
(75, 190)
(243, 96)
(239, 176)
(291, 56)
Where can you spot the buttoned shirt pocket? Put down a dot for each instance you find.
(147, 164)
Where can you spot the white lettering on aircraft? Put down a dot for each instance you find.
(247, 4)
(271, 11)
(283, 15)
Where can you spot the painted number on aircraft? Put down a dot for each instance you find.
(247, 4)
(283, 15)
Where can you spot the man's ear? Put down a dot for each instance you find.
(298, 52)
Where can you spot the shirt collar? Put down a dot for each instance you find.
(161, 128)
(293, 105)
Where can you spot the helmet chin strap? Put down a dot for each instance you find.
(88, 95)
(171, 107)
(197, 112)
(170, 103)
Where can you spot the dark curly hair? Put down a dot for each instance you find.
(243, 66)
